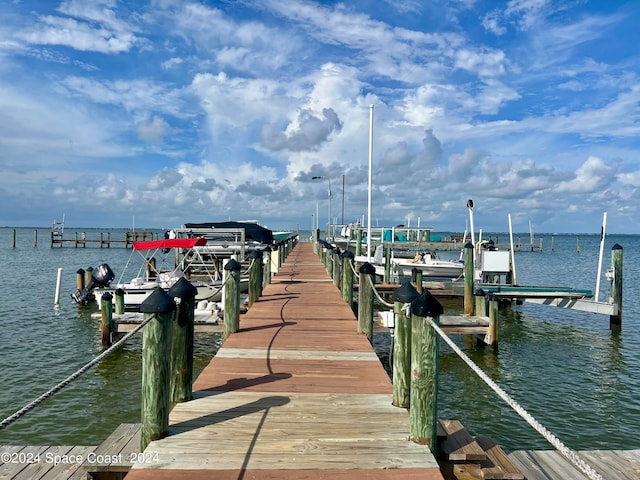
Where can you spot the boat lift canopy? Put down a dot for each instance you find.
(170, 243)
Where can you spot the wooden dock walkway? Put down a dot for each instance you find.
(296, 393)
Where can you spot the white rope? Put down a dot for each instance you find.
(380, 299)
(26, 409)
(552, 439)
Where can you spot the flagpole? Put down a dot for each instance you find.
(370, 182)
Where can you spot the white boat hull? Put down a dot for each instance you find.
(135, 294)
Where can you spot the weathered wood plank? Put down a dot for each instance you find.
(456, 443)
(497, 466)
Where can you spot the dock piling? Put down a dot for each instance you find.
(231, 298)
(402, 344)
(423, 416)
(615, 321)
(365, 299)
(346, 284)
(468, 278)
(255, 276)
(182, 340)
(106, 323)
(156, 366)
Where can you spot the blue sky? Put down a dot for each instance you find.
(169, 112)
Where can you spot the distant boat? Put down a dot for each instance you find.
(427, 262)
(140, 287)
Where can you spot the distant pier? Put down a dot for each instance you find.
(81, 239)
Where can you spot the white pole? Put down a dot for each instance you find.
(602, 233)
(470, 206)
(513, 257)
(58, 283)
(370, 182)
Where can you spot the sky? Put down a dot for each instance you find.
(163, 112)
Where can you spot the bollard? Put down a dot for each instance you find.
(365, 300)
(402, 344)
(615, 321)
(119, 302)
(266, 267)
(423, 415)
(231, 298)
(106, 318)
(346, 284)
(468, 279)
(255, 276)
(184, 294)
(156, 367)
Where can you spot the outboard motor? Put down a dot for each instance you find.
(101, 276)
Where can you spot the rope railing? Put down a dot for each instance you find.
(27, 408)
(380, 299)
(569, 454)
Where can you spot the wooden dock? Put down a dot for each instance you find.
(296, 393)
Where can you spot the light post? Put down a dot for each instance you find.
(322, 177)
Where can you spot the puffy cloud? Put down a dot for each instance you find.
(308, 132)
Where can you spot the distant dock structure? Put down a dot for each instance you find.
(81, 240)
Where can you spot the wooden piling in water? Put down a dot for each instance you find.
(365, 299)
(80, 279)
(401, 363)
(615, 321)
(106, 322)
(423, 416)
(491, 338)
(119, 302)
(156, 366)
(231, 297)
(468, 279)
(182, 341)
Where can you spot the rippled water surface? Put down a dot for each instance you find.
(566, 368)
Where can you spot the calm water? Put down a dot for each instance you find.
(566, 368)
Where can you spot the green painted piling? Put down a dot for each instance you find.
(337, 263)
(359, 242)
(231, 298)
(106, 319)
(401, 364)
(423, 414)
(491, 338)
(365, 299)
(119, 301)
(156, 366)
(346, 285)
(468, 279)
(615, 321)
(255, 276)
(182, 337)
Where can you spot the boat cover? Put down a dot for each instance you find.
(170, 243)
(252, 231)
